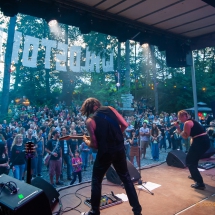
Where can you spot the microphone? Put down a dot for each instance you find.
(173, 123)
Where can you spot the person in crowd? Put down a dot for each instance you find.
(74, 142)
(22, 131)
(105, 127)
(8, 132)
(162, 129)
(32, 139)
(127, 145)
(85, 150)
(50, 132)
(129, 129)
(177, 141)
(9, 143)
(211, 133)
(144, 139)
(4, 160)
(200, 145)
(4, 124)
(39, 154)
(17, 159)
(66, 154)
(2, 132)
(2, 139)
(77, 170)
(135, 149)
(72, 128)
(155, 134)
(55, 163)
(79, 130)
(171, 130)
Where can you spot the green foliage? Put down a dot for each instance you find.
(174, 86)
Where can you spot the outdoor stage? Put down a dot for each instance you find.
(174, 196)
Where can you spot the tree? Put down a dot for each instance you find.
(7, 67)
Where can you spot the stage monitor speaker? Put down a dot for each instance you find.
(113, 177)
(176, 158)
(27, 200)
(48, 189)
(208, 153)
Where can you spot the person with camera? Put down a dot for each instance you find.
(200, 145)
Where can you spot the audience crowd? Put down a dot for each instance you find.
(43, 126)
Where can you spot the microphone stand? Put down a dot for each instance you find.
(28, 178)
(140, 182)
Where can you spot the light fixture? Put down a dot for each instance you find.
(52, 22)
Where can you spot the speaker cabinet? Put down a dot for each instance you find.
(113, 177)
(208, 153)
(176, 158)
(28, 199)
(48, 189)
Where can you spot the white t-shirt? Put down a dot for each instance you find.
(144, 130)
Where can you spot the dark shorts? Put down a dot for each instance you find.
(55, 167)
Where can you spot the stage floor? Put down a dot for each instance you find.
(174, 196)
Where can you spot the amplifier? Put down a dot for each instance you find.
(25, 200)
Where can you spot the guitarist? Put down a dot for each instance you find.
(105, 126)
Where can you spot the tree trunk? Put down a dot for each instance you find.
(47, 76)
(127, 72)
(152, 50)
(8, 55)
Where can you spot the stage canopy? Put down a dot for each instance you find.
(175, 26)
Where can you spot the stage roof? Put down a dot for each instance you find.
(159, 22)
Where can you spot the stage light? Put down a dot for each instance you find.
(52, 22)
(145, 45)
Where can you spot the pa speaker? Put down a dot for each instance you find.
(48, 189)
(26, 200)
(208, 153)
(113, 177)
(176, 158)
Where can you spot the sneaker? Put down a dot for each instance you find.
(200, 186)
(59, 183)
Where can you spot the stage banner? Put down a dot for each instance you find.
(66, 55)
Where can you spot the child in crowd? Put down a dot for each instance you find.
(76, 164)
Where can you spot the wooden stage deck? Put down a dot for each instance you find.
(174, 196)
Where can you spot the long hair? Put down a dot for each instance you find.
(154, 131)
(16, 140)
(88, 105)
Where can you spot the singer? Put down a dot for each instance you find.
(105, 126)
(200, 145)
